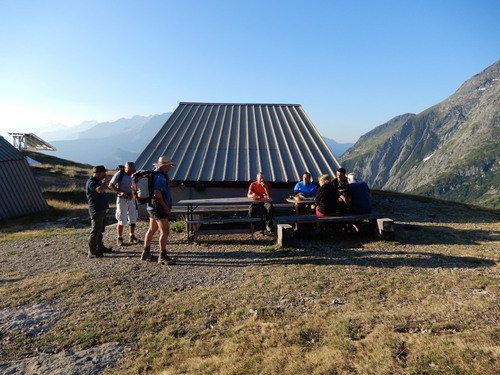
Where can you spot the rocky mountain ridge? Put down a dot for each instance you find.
(110, 143)
(450, 150)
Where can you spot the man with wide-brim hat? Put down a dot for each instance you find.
(159, 210)
(164, 161)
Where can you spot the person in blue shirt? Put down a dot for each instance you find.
(305, 187)
(159, 210)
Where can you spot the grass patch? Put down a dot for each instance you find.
(178, 226)
(277, 321)
(34, 234)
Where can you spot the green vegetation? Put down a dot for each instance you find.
(50, 160)
(178, 226)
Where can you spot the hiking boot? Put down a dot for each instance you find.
(164, 259)
(96, 255)
(119, 241)
(134, 239)
(106, 250)
(146, 255)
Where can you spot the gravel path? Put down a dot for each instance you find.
(205, 264)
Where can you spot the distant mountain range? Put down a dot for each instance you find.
(450, 150)
(113, 143)
(337, 148)
(107, 143)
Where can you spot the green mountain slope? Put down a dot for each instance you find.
(449, 151)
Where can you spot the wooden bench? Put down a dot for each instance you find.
(197, 223)
(181, 210)
(379, 224)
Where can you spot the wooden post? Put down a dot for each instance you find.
(386, 228)
(285, 234)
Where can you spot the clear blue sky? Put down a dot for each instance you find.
(352, 65)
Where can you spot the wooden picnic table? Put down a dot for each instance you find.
(192, 205)
(298, 202)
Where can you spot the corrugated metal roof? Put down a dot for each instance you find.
(232, 142)
(9, 152)
(19, 191)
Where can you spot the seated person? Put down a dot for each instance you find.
(342, 185)
(360, 202)
(260, 189)
(305, 188)
(326, 201)
(340, 181)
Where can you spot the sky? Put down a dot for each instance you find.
(352, 65)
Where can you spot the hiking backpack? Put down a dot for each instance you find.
(120, 168)
(143, 186)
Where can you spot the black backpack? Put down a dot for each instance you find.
(120, 168)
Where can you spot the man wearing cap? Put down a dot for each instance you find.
(98, 207)
(126, 206)
(159, 210)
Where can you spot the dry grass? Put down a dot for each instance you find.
(384, 307)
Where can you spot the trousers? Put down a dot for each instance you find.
(97, 228)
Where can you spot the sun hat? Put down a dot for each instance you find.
(164, 160)
(99, 169)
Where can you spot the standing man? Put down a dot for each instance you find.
(260, 189)
(126, 206)
(95, 190)
(159, 210)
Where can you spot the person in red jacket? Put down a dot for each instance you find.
(260, 192)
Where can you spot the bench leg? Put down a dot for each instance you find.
(318, 230)
(285, 234)
(386, 228)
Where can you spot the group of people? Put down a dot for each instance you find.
(126, 208)
(342, 194)
(338, 195)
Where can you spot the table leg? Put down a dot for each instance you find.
(189, 216)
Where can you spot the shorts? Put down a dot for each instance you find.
(156, 211)
(126, 211)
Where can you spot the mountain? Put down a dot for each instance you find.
(450, 150)
(337, 148)
(111, 143)
(67, 133)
